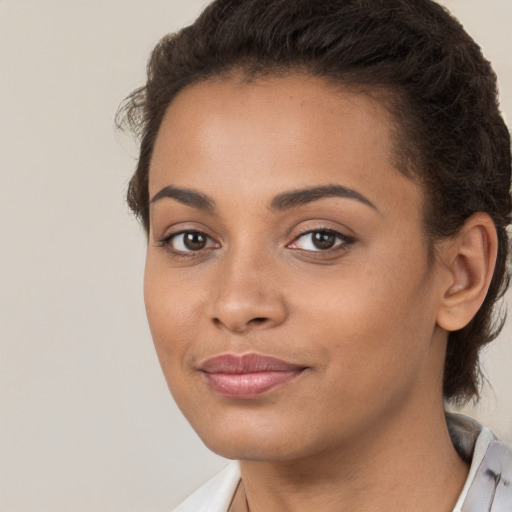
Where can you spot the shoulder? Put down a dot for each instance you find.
(216, 494)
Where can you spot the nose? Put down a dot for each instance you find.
(247, 295)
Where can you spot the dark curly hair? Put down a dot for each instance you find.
(427, 70)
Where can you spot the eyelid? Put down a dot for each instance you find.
(166, 242)
(177, 228)
(346, 240)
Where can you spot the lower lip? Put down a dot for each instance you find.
(249, 385)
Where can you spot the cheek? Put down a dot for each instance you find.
(372, 320)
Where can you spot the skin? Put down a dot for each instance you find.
(363, 427)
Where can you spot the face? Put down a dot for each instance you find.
(288, 287)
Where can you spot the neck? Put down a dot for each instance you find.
(396, 466)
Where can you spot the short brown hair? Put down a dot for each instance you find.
(443, 98)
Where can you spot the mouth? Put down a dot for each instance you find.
(248, 375)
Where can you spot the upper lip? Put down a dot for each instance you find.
(247, 363)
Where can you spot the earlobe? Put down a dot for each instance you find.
(470, 259)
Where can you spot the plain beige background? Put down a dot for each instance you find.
(87, 423)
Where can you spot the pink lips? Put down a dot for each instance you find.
(247, 375)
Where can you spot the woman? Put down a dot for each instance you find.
(325, 189)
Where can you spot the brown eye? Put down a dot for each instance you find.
(194, 241)
(190, 241)
(323, 240)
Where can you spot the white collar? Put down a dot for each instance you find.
(488, 487)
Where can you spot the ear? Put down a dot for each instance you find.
(470, 258)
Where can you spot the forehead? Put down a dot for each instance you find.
(278, 133)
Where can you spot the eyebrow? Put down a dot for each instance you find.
(282, 202)
(186, 196)
(295, 198)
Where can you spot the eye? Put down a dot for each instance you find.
(189, 241)
(320, 240)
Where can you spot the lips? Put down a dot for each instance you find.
(248, 375)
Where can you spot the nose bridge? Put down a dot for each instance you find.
(248, 293)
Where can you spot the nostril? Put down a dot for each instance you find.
(236, 325)
(259, 320)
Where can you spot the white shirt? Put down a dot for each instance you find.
(488, 487)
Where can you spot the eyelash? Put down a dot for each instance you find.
(345, 242)
(166, 243)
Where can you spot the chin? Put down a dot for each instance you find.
(255, 449)
(254, 438)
